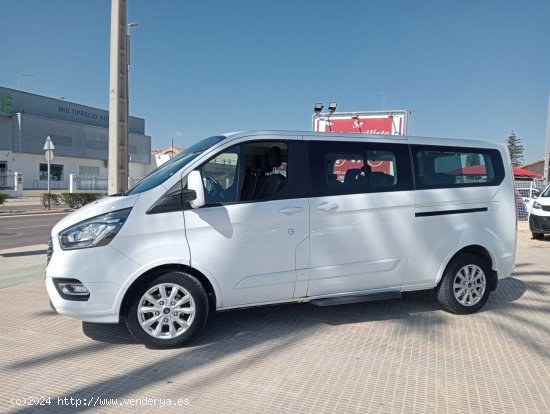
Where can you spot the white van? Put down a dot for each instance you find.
(254, 218)
(539, 216)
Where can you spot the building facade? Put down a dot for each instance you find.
(79, 133)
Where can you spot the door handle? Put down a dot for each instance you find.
(327, 206)
(290, 210)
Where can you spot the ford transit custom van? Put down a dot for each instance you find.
(267, 217)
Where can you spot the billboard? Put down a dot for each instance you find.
(373, 123)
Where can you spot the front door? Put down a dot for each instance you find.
(252, 234)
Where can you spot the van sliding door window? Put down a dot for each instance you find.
(338, 168)
(447, 167)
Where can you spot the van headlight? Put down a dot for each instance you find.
(537, 205)
(94, 232)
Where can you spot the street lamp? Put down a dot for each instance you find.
(318, 108)
(317, 113)
(130, 26)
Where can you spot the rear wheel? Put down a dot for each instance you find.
(168, 311)
(464, 288)
(538, 236)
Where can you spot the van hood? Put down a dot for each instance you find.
(97, 208)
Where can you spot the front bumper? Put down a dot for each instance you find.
(98, 308)
(102, 270)
(539, 224)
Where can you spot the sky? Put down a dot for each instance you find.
(475, 69)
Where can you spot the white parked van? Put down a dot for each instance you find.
(539, 216)
(255, 218)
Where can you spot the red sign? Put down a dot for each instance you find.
(373, 125)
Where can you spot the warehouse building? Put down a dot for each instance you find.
(79, 133)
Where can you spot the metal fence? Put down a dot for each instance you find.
(7, 181)
(82, 183)
(90, 183)
(527, 193)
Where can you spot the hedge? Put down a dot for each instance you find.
(3, 198)
(73, 200)
(54, 199)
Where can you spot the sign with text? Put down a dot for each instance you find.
(373, 123)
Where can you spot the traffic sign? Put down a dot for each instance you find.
(48, 145)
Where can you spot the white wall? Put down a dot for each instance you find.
(28, 165)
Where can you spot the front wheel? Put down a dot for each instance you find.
(168, 311)
(464, 288)
(538, 236)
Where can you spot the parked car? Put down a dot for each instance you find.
(528, 193)
(259, 218)
(539, 217)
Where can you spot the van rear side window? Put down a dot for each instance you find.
(447, 167)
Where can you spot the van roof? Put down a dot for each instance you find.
(312, 135)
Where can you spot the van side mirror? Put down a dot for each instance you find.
(194, 183)
(172, 200)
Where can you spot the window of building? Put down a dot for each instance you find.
(56, 172)
(85, 171)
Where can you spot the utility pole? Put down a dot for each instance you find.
(118, 100)
(546, 171)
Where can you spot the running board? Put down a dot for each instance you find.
(343, 300)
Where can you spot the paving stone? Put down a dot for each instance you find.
(396, 356)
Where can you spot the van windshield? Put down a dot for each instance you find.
(173, 165)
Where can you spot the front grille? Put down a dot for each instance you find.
(539, 224)
(49, 252)
(546, 208)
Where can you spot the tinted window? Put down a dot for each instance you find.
(254, 171)
(358, 167)
(441, 167)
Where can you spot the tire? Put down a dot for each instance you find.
(168, 311)
(538, 236)
(464, 288)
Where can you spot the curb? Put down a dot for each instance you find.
(34, 211)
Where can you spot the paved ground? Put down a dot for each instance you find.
(397, 356)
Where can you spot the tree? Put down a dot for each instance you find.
(515, 148)
(473, 159)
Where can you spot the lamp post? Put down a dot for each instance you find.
(317, 113)
(130, 27)
(21, 77)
